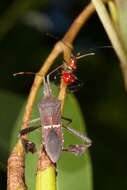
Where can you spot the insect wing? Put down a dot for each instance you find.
(53, 145)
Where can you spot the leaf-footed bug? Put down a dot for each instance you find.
(50, 116)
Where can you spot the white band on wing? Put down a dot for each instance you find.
(52, 126)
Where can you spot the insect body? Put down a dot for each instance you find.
(68, 74)
(50, 116)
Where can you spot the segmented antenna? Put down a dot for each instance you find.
(85, 55)
(26, 73)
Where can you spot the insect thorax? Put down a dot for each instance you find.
(50, 111)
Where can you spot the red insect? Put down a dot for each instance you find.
(68, 75)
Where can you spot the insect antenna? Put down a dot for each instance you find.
(33, 73)
(56, 38)
(55, 70)
(51, 35)
(26, 73)
(93, 49)
(85, 55)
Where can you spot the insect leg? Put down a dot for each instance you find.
(77, 149)
(77, 85)
(28, 145)
(32, 121)
(67, 119)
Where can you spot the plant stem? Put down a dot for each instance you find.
(112, 34)
(46, 179)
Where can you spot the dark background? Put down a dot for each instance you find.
(103, 97)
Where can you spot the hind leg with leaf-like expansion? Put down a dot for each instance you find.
(28, 145)
(77, 149)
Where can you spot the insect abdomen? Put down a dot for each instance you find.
(53, 145)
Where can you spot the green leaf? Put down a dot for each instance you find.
(73, 172)
(10, 104)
